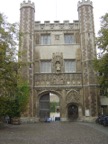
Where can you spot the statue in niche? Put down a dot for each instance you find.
(57, 62)
(58, 66)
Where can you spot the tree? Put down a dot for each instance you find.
(102, 39)
(14, 91)
(8, 46)
(53, 106)
(101, 64)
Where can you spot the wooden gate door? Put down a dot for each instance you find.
(44, 107)
(72, 112)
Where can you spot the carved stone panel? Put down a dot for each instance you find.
(57, 78)
(73, 97)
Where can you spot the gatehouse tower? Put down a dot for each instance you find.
(59, 63)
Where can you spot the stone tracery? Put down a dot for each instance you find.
(73, 96)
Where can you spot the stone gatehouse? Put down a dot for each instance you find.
(59, 57)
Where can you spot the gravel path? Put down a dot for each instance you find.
(54, 133)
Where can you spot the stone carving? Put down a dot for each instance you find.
(57, 61)
(57, 78)
(73, 97)
(57, 37)
(58, 66)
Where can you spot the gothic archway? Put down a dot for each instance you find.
(73, 104)
(49, 105)
(73, 97)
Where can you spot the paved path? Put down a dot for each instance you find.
(54, 133)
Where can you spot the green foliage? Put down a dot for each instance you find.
(101, 64)
(8, 46)
(4, 103)
(102, 39)
(13, 91)
(53, 106)
(22, 96)
(14, 106)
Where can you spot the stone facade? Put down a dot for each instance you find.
(59, 61)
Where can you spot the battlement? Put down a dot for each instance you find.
(84, 2)
(58, 22)
(27, 4)
(56, 25)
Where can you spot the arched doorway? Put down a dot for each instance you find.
(72, 111)
(49, 106)
(44, 107)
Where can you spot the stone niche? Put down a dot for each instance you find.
(57, 62)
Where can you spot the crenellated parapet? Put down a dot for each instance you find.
(84, 2)
(66, 25)
(27, 4)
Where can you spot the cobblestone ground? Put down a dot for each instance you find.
(54, 133)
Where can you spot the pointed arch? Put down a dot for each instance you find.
(73, 96)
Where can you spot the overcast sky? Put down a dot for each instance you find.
(53, 10)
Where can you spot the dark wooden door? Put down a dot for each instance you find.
(44, 107)
(72, 112)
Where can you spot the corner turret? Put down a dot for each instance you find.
(27, 21)
(27, 4)
(88, 52)
(84, 2)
